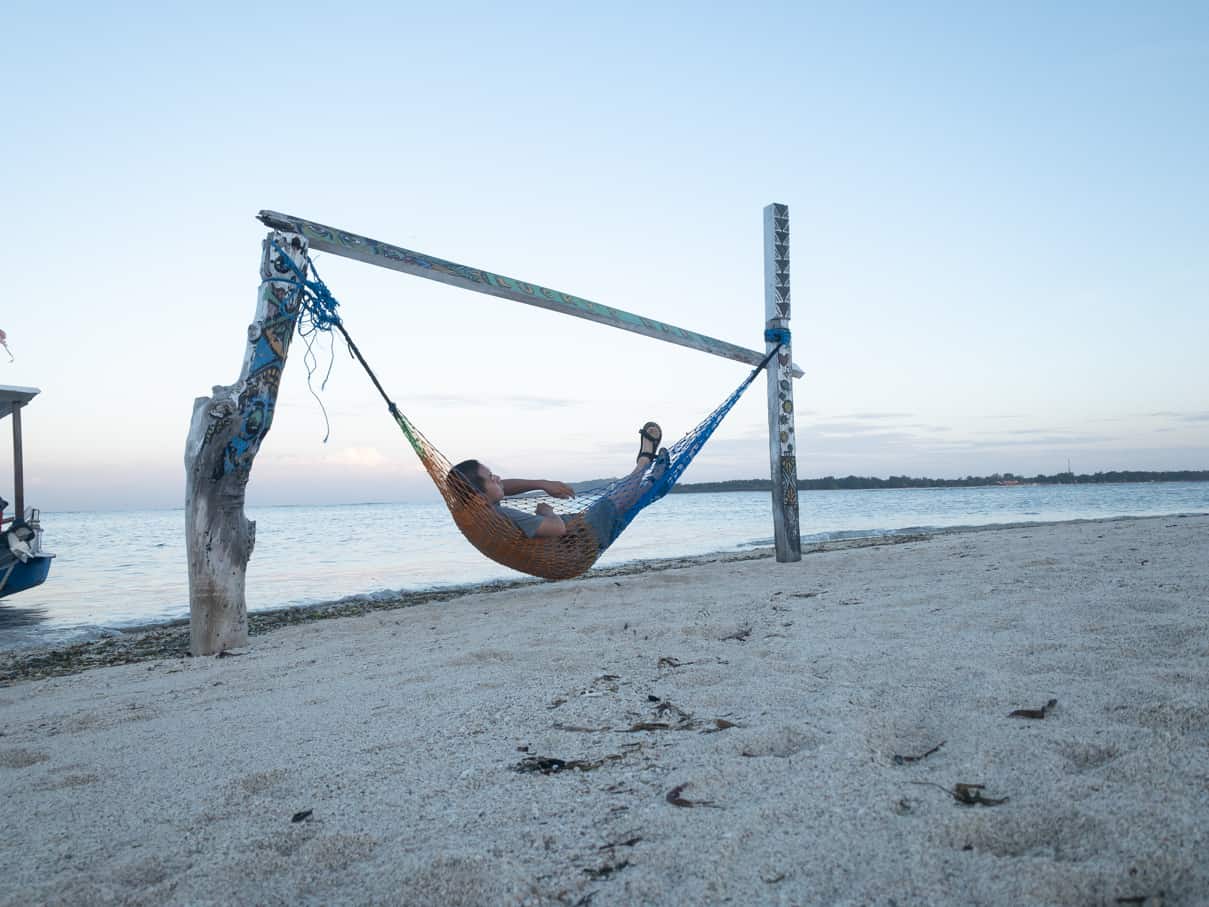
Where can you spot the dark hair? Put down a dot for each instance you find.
(465, 479)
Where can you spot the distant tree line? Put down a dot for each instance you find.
(829, 483)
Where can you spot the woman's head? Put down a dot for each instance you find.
(471, 477)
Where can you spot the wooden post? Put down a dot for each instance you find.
(18, 468)
(224, 437)
(782, 443)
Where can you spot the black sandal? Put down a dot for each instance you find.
(653, 433)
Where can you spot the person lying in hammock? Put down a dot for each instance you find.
(602, 516)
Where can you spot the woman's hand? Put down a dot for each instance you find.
(558, 490)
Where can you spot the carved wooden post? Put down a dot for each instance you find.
(224, 437)
(781, 440)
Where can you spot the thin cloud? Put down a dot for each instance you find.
(865, 437)
(877, 416)
(495, 400)
(916, 426)
(361, 457)
(1202, 416)
(847, 428)
(855, 429)
(1013, 433)
(1055, 440)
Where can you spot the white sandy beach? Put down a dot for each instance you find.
(746, 732)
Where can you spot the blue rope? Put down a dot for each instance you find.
(777, 335)
(315, 301)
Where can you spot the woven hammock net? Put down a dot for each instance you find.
(485, 526)
(565, 556)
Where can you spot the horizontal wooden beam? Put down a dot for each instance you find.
(374, 252)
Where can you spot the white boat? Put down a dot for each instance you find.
(23, 563)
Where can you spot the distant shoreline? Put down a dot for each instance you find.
(1007, 479)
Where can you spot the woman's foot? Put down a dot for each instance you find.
(650, 434)
(659, 465)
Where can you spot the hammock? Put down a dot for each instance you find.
(593, 518)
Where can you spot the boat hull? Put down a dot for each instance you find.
(25, 575)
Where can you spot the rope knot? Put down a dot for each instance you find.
(320, 306)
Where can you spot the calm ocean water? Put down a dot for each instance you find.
(118, 569)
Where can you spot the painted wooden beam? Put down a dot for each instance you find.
(396, 258)
(225, 434)
(782, 443)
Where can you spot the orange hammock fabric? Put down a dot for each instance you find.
(496, 536)
(500, 539)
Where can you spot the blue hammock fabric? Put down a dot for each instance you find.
(680, 455)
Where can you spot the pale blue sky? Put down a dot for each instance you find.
(999, 228)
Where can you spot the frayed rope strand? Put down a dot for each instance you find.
(317, 315)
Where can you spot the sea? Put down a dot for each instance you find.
(116, 570)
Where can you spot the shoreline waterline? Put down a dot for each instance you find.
(170, 639)
(115, 572)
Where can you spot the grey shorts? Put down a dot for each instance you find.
(604, 521)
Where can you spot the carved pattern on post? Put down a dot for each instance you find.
(780, 259)
(225, 435)
(781, 436)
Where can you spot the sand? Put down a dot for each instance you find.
(733, 731)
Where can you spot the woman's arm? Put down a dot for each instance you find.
(552, 524)
(520, 486)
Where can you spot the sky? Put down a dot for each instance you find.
(999, 231)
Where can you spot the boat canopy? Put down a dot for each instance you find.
(23, 563)
(11, 395)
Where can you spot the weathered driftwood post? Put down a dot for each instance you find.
(224, 436)
(781, 440)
